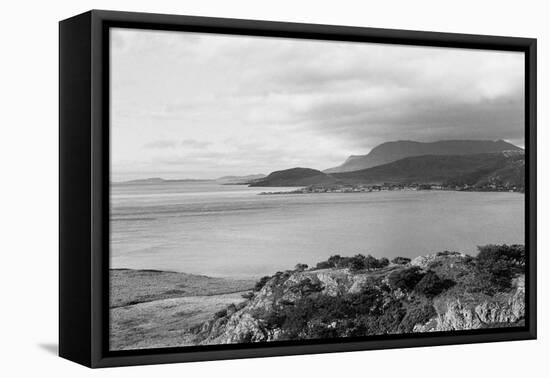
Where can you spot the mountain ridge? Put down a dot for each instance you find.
(395, 150)
(295, 177)
(499, 169)
(434, 169)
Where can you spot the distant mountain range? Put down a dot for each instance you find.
(156, 180)
(239, 179)
(505, 167)
(221, 180)
(471, 170)
(393, 151)
(150, 180)
(448, 162)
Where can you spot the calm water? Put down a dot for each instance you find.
(229, 230)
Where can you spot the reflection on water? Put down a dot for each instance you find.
(229, 230)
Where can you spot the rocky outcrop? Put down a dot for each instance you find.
(425, 261)
(283, 288)
(458, 308)
(238, 328)
(477, 311)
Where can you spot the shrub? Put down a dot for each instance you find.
(241, 305)
(307, 286)
(401, 260)
(513, 255)
(324, 331)
(496, 266)
(383, 262)
(406, 279)
(323, 265)
(221, 313)
(371, 262)
(447, 253)
(231, 309)
(357, 262)
(248, 295)
(388, 320)
(261, 283)
(431, 285)
(300, 267)
(324, 316)
(369, 312)
(334, 261)
(417, 315)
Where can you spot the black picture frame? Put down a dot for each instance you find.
(84, 186)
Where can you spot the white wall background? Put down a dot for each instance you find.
(28, 156)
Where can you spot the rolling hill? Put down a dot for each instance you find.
(393, 151)
(443, 169)
(505, 169)
(296, 177)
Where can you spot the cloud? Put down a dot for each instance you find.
(160, 144)
(171, 144)
(417, 117)
(191, 143)
(233, 105)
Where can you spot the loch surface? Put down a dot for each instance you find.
(203, 227)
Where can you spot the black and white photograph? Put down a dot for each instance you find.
(267, 189)
(275, 189)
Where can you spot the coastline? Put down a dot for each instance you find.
(354, 190)
(443, 291)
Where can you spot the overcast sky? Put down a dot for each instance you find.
(188, 105)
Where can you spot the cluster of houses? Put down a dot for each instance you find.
(362, 188)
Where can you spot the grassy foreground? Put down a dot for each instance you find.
(150, 308)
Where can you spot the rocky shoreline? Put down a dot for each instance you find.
(340, 302)
(341, 297)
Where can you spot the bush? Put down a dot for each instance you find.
(447, 253)
(371, 262)
(383, 262)
(231, 309)
(406, 279)
(513, 255)
(261, 283)
(220, 314)
(417, 315)
(357, 262)
(248, 295)
(241, 305)
(307, 286)
(431, 285)
(496, 266)
(334, 261)
(401, 260)
(322, 316)
(388, 320)
(300, 267)
(323, 265)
